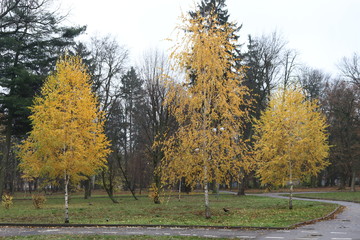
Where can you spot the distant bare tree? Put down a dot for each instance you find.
(350, 68)
(313, 82)
(107, 61)
(341, 105)
(270, 49)
(108, 64)
(157, 121)
(269, 64)
(288, 65)
(6, 6)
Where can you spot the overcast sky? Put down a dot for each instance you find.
(321, 31)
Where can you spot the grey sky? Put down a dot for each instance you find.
(321, 31)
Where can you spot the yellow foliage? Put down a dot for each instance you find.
(67, 138)
(154, 193)
(38, 200)
(291, 136)
(211, 111)
(7, 200)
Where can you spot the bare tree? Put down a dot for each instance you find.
(268, 64)
(350, 68)
(109, 59)
(313, 82)
(107, 63)
(288, 67)
(157, 122)
(341, 105)
(6, 6)
(272, 47)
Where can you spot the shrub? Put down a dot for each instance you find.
(154, 193)
(7, 200)
(38, 200)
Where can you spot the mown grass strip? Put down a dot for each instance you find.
(337, 196)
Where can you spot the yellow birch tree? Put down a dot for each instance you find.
(291, 140)
(67, 140)
(211, 110)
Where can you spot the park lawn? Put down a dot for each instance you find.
(255, 211)
(340, 196)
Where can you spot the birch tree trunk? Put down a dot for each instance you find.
(291, 188)
(66, 178)
(291, 196)
(180, 190)
(206, 191)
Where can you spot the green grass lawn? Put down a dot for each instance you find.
(244, 211)
(341, 196)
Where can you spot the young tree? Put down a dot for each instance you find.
(208, 143)
(217, 9)
(291, 140)
(67, 140)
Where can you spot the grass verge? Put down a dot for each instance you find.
(339, 196)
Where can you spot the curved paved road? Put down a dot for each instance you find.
(345, 227)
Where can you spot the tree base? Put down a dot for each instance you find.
(207, 213)
(157, 200)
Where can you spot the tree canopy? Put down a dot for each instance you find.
(67, 135)
(67, 140)
(291, 139)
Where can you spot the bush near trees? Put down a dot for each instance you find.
(38, 200)
(7, 200)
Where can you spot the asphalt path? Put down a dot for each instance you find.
(346, 226)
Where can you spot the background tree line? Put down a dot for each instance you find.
(32, 37)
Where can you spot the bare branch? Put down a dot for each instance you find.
(350, 68)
